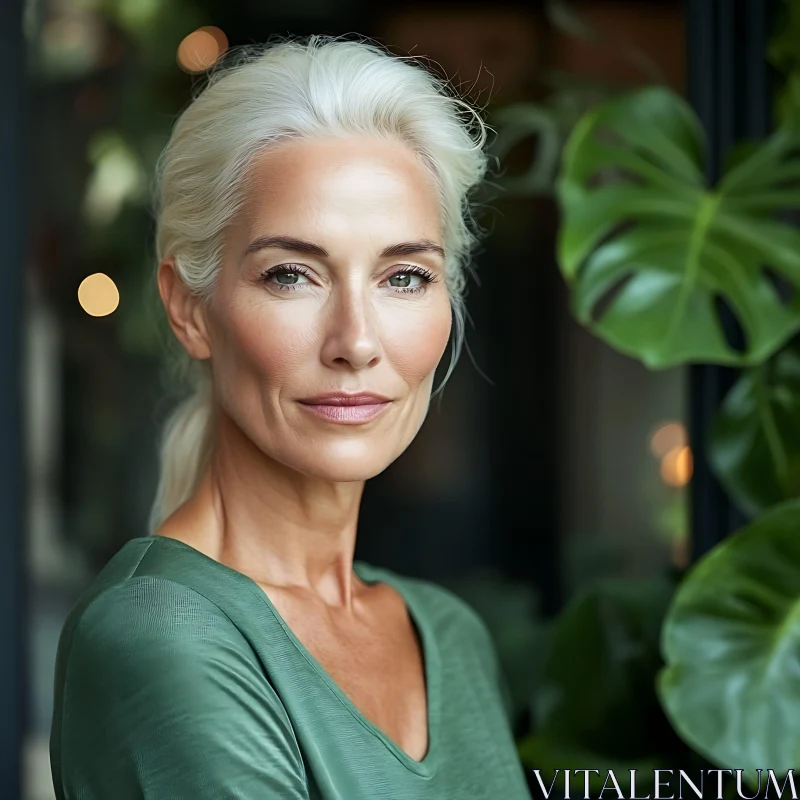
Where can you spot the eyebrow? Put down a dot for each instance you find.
(301, 246)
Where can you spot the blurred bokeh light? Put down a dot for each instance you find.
(201, 49)
(677, 466)
(98, 295)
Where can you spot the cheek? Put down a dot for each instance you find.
(268, 344)
(416, 346)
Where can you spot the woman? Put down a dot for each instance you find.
(312, 236)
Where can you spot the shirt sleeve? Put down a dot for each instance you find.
(163, 698)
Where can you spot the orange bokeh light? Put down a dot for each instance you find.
(98, 295)
(201, 49)
(677, 466)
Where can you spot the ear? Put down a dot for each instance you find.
(185, 311)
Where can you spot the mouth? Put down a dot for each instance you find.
(348, 413)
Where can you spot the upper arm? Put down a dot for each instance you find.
(163, 698)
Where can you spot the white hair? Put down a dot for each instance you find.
(321, 86)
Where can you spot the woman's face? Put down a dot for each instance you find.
(332, 282)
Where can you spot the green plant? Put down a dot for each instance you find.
(731, 642)
(756, 434)
(648, 243)
(644, 236)
(706, 669)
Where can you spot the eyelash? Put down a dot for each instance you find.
(292, 269)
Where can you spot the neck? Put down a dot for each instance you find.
(277, 526)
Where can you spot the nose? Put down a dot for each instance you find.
(351, 337)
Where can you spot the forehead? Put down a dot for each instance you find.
(342, 185)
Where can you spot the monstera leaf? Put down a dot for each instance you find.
(651, 253)
(731, 643)
(755, 440)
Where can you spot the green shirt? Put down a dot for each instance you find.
(177, 678)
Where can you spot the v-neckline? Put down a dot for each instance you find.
(427, 641)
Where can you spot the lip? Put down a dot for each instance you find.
(341, 399)
(347, 409)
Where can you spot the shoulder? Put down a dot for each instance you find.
(156, 687)
(148, 611)
(134, 634)
(152, 638)
(131, 611)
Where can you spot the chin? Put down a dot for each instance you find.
(350, 461)
(342, 471)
